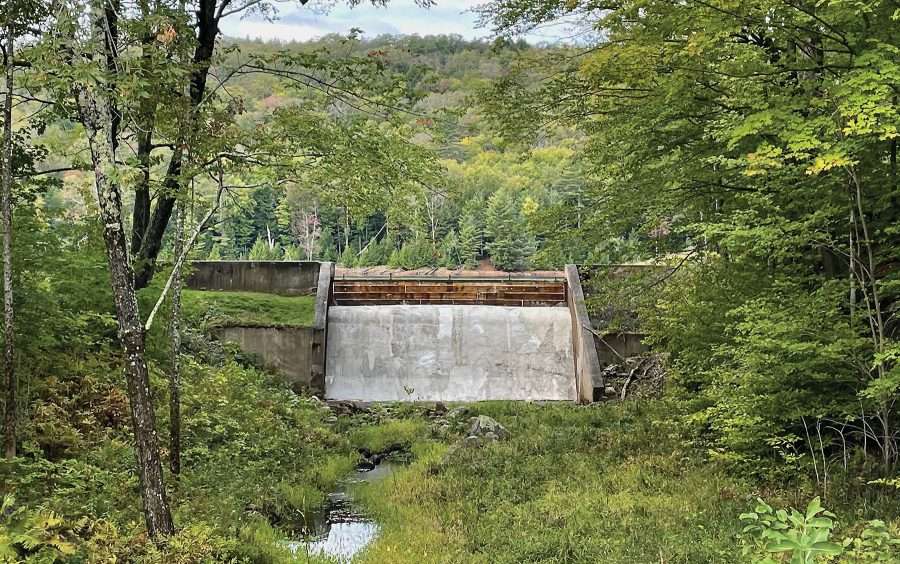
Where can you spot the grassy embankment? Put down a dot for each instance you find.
(248, 309)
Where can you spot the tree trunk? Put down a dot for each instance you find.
(175, 335)
(148, 233)
(101, 123)
(9, 350)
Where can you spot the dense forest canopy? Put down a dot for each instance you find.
(744, 154)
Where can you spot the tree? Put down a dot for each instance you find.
(763, 138)
(469, 240)
(510, 244)
(6, 180)
(175, 341)
(149, 225)
(264, 249)
(450, 250)
(98, 113)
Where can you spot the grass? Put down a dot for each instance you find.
(248, 309)
(377, 438)
(605, 484)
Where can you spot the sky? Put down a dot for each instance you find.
(400, 17)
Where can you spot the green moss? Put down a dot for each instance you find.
(219, 309)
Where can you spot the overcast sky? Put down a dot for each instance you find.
(295, 22)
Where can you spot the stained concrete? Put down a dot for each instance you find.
(587, 365)
(449, 353)
(289, 278)
(297, 353)
(286, 350)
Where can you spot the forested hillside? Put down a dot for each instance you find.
(480, 196)
(476, 196)
(742, 156)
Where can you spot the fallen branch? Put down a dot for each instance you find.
(631, 377)
(602, 340)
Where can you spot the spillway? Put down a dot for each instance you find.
(449, 353)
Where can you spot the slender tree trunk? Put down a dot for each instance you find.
(175, 335)
(101, 122)
(9, 350)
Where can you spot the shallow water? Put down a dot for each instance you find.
(338, 530)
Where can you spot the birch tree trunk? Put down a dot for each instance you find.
(101, 123)
(9, 370)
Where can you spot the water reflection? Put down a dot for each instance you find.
(338, 530)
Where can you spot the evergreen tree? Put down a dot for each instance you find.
(511, 244)
(292, 252)
(450, 250)
(261, 250)
(215, 253)
(417, 253)
(326, 250)
(348, 257)
(469, 243)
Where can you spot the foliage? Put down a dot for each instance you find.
(804, 537)
(32, 536)
(771, 536)
(510, 244)
(764, 173)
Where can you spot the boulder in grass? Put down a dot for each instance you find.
(488, 428)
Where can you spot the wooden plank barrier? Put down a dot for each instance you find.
(522, 293)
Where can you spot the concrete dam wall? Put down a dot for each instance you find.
(449, 353)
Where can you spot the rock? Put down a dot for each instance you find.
(610, 392)
(440, 408)
(491, 437)
(483, 425)
(366, 465)
(472, 441)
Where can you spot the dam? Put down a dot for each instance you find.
(413, 337)
(449, 353)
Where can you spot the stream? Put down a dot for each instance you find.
(338, 529)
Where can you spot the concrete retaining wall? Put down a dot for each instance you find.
(297, 353)
(289, 278)
(587, 365)
(449, 353)
(288, 351)
(613, 347)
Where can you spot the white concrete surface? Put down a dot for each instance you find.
(449, 353)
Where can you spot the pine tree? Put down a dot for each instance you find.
(326, 250)
(511, 244)
(469, 244)
(261, 250)
(292, 252)
(215, 253)
(450, 255)
(348, 257)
